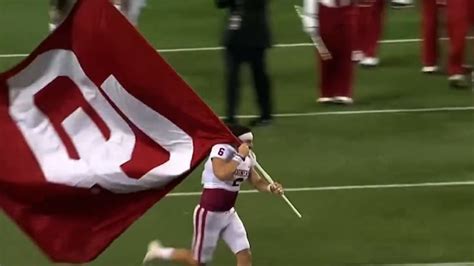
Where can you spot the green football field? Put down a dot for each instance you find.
(335, 161)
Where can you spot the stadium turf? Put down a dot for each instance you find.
(375, 225)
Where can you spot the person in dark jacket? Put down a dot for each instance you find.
(246, 39)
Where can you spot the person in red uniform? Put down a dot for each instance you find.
(332, 20)
(430, 20)
(460, 19)
(357, 54)
(370, 26)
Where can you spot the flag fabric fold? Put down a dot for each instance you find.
(95, 129)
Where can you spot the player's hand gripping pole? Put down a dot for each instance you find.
(317, 40)
(270, 180)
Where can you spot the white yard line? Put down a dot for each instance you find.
(12, 55)
(359, 187)
(375, 111)
(217, 48)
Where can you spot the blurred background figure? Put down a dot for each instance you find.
(131, 9)
(333, 21)
(357, 44)
(432, 13)
(402, 3)
(246, 40)
(460, 19)
(369, 23)
(59, 9)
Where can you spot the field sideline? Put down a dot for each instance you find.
(218, 48)
(386, 181)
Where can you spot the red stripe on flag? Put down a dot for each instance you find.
(72, 215)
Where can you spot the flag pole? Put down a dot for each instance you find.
(270, 180)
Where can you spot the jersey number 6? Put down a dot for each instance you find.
(221, 151)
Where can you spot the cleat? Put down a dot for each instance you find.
(343, 100)
(429, 69)
(325, 100)
(369, 62)
(458, 82)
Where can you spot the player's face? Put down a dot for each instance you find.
(249, 143)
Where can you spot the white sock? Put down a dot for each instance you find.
(165, 253)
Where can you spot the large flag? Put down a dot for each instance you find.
(95, 128)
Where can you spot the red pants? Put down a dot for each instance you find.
(460, 18)
(357, 46)
(370, 26)
(337, 74)
(431, 12)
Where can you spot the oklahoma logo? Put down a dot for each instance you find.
(99, 159)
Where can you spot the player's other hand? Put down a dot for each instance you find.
(276, 188)
(244, 150)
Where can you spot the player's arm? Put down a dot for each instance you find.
(262, 185)
(224, 168)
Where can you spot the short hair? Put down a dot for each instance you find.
(238, 130)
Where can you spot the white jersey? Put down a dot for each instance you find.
(225, 152)
(215, 216)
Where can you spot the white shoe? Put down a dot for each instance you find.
(429, 69)
(458, 82)
(402, 3)
(153, 251)
(370, 61)
(325, 100)
(357, 56)
(457, 77)
(343, 100)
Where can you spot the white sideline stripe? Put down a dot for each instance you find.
(284, 45)
(291, 45)
(359, 187)
(381, 111)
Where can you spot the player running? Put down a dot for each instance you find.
(215, 216)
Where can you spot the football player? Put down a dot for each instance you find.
(215, 216)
